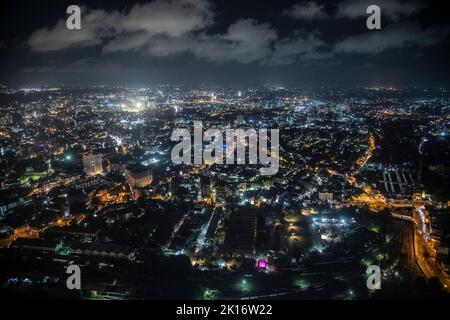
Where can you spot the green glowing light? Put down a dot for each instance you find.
(244, 286)
(302, 283)
(209, 294)
(374, 228)
(63, 249)
(367, 262)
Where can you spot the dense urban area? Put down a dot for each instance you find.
(86, 178)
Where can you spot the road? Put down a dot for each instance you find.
(426, 263)
(416, 239)
(408, 258)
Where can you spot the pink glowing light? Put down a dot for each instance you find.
(262, 264)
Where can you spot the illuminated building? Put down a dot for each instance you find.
(205, 186)
(325, 196)
(6, 120)
(220, 192)
(240, 120)
(92, 163)
(139, 177)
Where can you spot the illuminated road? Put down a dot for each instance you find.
(416, 241)
(406, 244)
(425, 262)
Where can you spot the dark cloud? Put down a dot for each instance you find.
(395, 36)
(393, 9)
(299, 47)
(244, 41)
(306, 11)
(162, 40)
(166, 27)
(161, 17)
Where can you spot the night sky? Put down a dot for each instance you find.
(310, 43)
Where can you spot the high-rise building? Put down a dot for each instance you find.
(6, 120)
(139, 177)
(205, 186)
(220, 192)
(92, 163)
(239, 120)
(326, 196)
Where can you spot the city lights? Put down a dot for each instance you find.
(215, 150)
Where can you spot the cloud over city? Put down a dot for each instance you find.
(164, 28)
